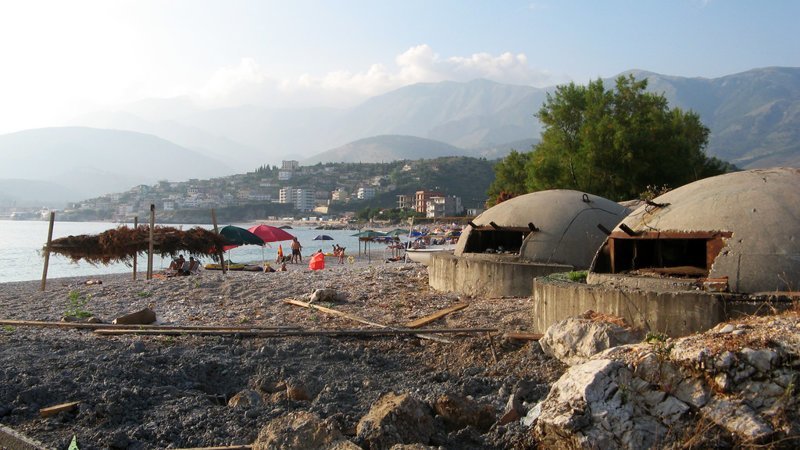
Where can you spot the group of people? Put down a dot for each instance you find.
(181, 266)
(338, 252)
(297, 257)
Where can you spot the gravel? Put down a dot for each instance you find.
(141, 392)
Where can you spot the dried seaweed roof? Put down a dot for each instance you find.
(122, 243)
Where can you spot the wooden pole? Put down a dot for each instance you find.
(97, 326)
(219, 250)
(47, 249)
(299, 332)
(135, 225)
(150, 244)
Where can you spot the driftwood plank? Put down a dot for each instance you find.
(435, 316)
(230, 447)
(286, 333)
(355, 318)
(334, 312)
(52, 410)
(101, 326)
(523, 336)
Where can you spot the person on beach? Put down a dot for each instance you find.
(296, 247)
(177, 264)
(279, 259)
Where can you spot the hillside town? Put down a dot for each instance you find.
(329, 192)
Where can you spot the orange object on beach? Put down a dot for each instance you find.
(280, 252)
(317, 261)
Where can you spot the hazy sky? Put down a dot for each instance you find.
(61, 59)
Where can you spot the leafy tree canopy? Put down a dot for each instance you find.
(612, 143)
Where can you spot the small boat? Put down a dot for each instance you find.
(423, 255)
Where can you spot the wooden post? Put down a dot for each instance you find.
(150, 244)
(47, 249)
(135, 255)
(219, 250)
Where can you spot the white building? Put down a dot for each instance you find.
(284, 175)
(290, 165)
(303, 199)
(443, 206)
(365, 193)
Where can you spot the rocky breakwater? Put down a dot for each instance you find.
(734, 385)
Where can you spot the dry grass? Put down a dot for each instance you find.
(122, 243)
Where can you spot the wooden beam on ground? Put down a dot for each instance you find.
(230, 447)
(334, 312)
(53, 410)
(523, 336)
(98, 326)
(354, 318)
(435, 316)
(288, 333)
(13, 440)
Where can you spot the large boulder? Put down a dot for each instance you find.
(575, 339)
(395, 419)
(736, 384)
(301, 430)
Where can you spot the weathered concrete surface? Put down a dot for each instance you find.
(568, 232)
(731, 387)
(760, 207)
(566, 238)
(676, 313)
(487, 275)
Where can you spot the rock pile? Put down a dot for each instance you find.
(735, 385)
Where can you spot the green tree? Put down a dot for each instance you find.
(509, 177)
(614, 143)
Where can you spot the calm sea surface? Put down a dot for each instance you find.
(21, 242)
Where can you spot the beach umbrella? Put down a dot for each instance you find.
(397, 232)
(323, 237)
(367, 236)
(270, 234)
(236, 236)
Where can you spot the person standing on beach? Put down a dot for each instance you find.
(296, 247)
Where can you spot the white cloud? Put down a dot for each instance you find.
(250, 82)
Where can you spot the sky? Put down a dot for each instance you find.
(62, 59)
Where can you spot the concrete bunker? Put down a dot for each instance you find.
(701, 254)
(502, 250)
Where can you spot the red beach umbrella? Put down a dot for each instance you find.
(270, 234)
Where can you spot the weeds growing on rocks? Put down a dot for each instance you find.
(77, 302)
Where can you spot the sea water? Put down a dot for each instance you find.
(22, 258)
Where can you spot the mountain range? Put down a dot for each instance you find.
(754, 119)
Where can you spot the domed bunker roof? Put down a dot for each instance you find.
(555, 227)
(738, 231)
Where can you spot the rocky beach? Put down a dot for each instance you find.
(589, 380)
(197, 391)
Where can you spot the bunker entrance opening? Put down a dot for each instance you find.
(670, 254)
(489, 240)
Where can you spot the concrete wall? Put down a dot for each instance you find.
(673, 313)
(486, 276)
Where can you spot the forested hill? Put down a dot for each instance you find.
(252, 195)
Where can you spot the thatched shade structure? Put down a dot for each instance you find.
(122, 243)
